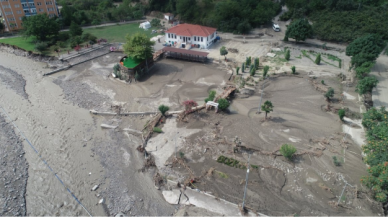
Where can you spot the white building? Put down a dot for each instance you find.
(145, 25)
(186, 35)
(169, 16)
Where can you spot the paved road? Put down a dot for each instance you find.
(380, 93)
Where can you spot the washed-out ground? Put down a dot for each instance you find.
(53, 112)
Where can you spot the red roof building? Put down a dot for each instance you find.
(183, 34)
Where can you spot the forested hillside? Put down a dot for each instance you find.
(341, 20)
(238, 16)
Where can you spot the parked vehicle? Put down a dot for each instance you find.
(276, 27)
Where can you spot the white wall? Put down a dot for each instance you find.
(206, 41)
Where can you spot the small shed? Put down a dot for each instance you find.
(169, 16)
(145, 25)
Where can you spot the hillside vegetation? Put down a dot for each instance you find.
(341, 20)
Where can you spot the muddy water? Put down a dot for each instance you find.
(61, 132)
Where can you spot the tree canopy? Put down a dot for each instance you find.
(299, 30)
(138, 46)
(267, 107)
(75, 29)
(40, 26)
(366, 84)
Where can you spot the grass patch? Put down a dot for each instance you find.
(24, 43)
(254, 166)
(305, 54)
(117, 33)
(131, 63)
(330, 57)
(157, 130)
(299, 57)
(222, 175)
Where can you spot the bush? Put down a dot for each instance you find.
(243, 67)
(293, 69)
(318, 59)
(75, 41)
(265, 72)
(366, 85)
(163, 109)
(212, 95)
(323, 82)
(61, 44)
(75, 29)
(157, 130)
(252, 70)
(223, 104)
(257, 63)
(155, 23)
(237, 69)
(336, 162)
(341, 114)
(287, 55)
(96, 22)
(63, 36)
(287, 151)
(41, 46)
(329, 93)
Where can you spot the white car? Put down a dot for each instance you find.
(276, 27)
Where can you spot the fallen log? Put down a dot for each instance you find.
(150, 128)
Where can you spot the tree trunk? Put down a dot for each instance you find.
(266, 115)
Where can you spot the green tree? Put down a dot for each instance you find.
(288, 151)
(265, 71)
(223, 51)
(366, 85)
(287, 55)
(212, 95)
(293, 69)
(237, 69)
(329, 94)
(243, 67)
(40, 26)
(368, 44)
(223, 104)
(299, 30)
(186, 9)
(155, 22)
(267, 107)
(75, 29)
(257, 62)
(252, 71)
(318, 59)
(341, 114)
(163, 109)
(138, 46)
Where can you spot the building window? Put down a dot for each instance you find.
(19, 12)
(41, 10)
(49, 3)
(26, 11)
(32, 4)
(20, 18)
(195, 38)
(25, 4)
(11, 19)
(201, 39)
(175, 36)
(17, 5)
(50, 9)
(6, 6)
(39, 3)
(33, 10)
(8, 13)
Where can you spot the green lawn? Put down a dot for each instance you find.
(21, 42)
(117, 33)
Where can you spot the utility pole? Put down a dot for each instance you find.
(246, 182)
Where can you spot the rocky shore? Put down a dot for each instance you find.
(13, 170)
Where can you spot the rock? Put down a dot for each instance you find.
(106, 126)
(95, 188)
(101, 201)
(171, 197)
(120, 214)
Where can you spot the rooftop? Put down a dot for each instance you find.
(191, 30)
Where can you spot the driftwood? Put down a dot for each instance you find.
(318, 86)
(149, 129)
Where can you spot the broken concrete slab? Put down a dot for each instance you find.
(172, 197)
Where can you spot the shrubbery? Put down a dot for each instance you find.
(212, 95)
(376, 124)
(223, 104)
(41, 46)
(288, 151)
(157, 130)
(163, 109)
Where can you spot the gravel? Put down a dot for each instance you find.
(14, 81)
(81, 94)
(14, 172)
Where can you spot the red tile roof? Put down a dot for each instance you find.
(191, 30)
